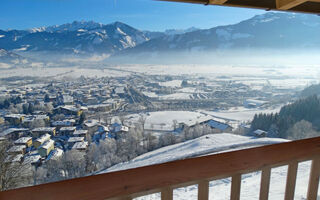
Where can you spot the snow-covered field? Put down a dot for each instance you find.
(163, 120)
(284, 76)
(220, 189)
(73, 72)
(240, 114)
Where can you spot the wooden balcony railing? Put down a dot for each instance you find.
(165, 177)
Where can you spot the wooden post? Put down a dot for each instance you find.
(235, 187)
(203, 190)
(314, 180)
(167, 193)
(265, 183)
(291, 180)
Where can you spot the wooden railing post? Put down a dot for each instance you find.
(291, 180)
(167, 193)
(314, 180)
(203, 190)
(235, 187)
(265, 183)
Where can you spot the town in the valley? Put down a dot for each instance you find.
(102, 121)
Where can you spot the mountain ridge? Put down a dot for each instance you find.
(269, 30)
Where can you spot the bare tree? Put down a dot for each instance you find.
(13, 173)
(142, 121)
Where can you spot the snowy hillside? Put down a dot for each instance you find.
(208, 144)
(220, 189)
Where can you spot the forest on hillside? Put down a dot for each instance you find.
(297, 120)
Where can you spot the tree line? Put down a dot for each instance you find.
(297, 120)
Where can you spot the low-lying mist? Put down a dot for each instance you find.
(255, 57)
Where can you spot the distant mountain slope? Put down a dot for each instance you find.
(11, 58)
(270, 30)
(77, 37)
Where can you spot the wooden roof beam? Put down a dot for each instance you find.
(288, 4)
(217, 2)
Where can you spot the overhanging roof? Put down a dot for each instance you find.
(308, 6)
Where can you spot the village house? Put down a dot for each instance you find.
(260, 133)
(46, 148)
(37, 132)
(64, 123)
(55, 154)
(67, 100)
(67, 131)
(38, 142)
(14, 133)
(116, 129)
(34, 159)
(17, 149)
(80, 133)
(29, 119)
(101, 133)
(27, 141)
(68, 110)
(219, 126)
(73, 140)
(80, 146)
(91, 125)
(14, 119)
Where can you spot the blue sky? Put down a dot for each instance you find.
(142, 14)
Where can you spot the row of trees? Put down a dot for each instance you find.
(302, 114)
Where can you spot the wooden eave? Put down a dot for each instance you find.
(306, 6)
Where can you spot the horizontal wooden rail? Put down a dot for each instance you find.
(164, 177)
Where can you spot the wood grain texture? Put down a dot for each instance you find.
(314, 180)
(235, 187)
(167, 193)
(143, 179)
(283, 5)
(265, 183)
(203, 190)
(291, 181)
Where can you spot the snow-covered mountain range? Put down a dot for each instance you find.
(77, 37)
(270, 30)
